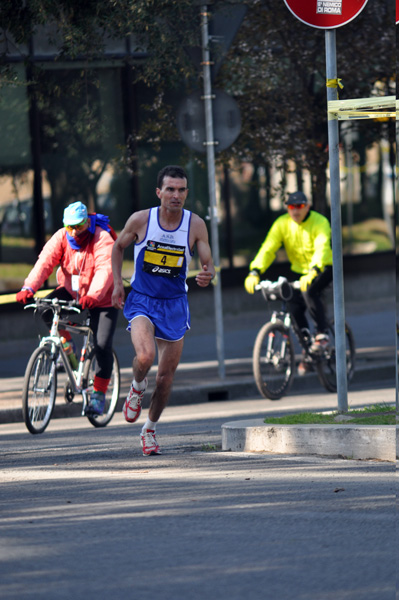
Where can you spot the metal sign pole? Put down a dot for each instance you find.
(210, 153)
(396, 224)
(338, 279)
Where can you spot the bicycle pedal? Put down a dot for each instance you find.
(68, 394)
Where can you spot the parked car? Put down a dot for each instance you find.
(16, 218)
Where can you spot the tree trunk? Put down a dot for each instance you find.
(319, 184)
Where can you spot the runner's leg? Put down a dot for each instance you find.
(142, 335)
(169, 354)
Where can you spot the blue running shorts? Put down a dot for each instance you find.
(170, 317)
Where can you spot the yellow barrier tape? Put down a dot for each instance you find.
(8, 298)
(214, 280)
(355, 169)
(333, 83)
(195, 273)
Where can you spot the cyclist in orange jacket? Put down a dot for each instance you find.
(82, 250)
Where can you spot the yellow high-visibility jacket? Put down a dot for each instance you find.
(307, 244)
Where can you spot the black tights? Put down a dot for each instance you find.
(103, 323)
(313, 301)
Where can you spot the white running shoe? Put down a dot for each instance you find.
(149, 443)
(132, 406)
(320, 344)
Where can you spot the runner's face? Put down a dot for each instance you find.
(173, 193)
(298, 214)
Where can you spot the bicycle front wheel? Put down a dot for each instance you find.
(326, 366)
(39, 390)
(112, 395)
(273, 360)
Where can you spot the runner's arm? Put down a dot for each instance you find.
(207, 273)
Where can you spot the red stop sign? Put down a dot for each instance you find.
(327, 14)
(397, 12)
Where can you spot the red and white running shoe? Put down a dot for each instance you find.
(149, 443)
(132, 406)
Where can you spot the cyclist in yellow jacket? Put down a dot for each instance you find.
(306, 237)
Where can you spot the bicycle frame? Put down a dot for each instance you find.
(275, 291)
(283, 316)
(39, 392)
(273, 346)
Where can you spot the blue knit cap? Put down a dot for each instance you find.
(75, 213)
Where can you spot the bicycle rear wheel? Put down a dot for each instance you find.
(273, 360)
(326, 365)
(39, 390)
(112, 395)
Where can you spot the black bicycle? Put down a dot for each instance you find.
(273, 357)
(40, 382)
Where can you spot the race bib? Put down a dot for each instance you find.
(163, 259)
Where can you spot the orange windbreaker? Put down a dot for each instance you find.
(92, 264)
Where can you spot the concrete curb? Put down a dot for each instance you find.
(346, 441)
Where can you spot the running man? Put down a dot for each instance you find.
(157, 307)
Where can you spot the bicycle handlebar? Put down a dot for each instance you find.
(56, 304)
(277, 290)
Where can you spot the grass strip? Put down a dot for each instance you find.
(376, 414)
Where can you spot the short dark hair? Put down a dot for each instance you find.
(171, 171)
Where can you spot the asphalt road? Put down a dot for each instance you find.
(84, 515)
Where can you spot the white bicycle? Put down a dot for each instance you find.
(40, 382)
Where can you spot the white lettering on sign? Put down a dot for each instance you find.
(329, 7)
